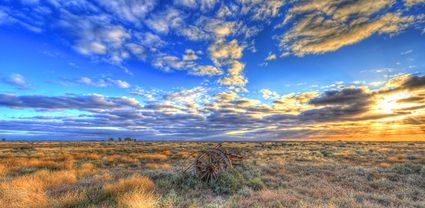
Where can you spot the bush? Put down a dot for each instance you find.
(326, 153)
(256, 183)
(408, 169)
(411, 157)
(228, 182)
(188, 182)
(245, 191)
(168, 200)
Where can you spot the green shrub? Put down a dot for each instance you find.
(408, 169)
(326, 153)
(228, 182)
(245, 192)
(168, 200)
(256, 183)
(411, 157)
(188, 182)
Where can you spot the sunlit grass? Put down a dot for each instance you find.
(275, 174)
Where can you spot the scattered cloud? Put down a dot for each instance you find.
(16, 80)
(193, 114)
(271, 57)
(166, 20)
(234, 76)
(221, 52)
(147, 30)
(169, 62)
(411, 3)
(406, 52)
(95, 102)
(267, 94)
(323, 26)
(97, 82)
(190, 55)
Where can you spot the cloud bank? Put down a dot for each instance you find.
(192, 114)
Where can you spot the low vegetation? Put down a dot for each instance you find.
(272, 174)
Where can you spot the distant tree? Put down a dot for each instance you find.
(119, 139)
(134, 140)
(111, 139)
(3, 140)
(128, 139)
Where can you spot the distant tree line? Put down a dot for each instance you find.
(119, 139)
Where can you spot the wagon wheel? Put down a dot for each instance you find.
(210, 164)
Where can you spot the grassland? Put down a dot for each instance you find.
(148, 174)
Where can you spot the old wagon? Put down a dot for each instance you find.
(211, 162)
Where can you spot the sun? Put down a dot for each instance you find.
(387, 104)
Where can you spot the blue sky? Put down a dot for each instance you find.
(208, 69)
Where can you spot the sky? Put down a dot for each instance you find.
(197, 70)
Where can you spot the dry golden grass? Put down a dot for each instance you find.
(131, 184)
(56, 178)
(398, 158)
(155, 166)
(68, 199)
(86, 156)
(185, 154)
(106, 176)
(147, 156)
(23, 192)
(275, 174)
(68, 164)
(3, 170)
(86, 169)
(165, 151)
(137, 199)
(35, 162)
(116, 159)
(385, 165)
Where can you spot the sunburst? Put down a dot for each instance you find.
(389, 103)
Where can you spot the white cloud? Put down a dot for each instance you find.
(205, 70)
(406, 52)
(168, 62)
(187, 95)
(16, 80)
(190, 55)
(91, 47)
(129, 10)
(234, 76)
(262, 10)
(377, 83)
(218, 27)
(103, 82)
(271, 57)
(206, 5)
(325, 26)
(221, 51)
(411, 3)
(164, 21)
(267, 94)
(187, 3)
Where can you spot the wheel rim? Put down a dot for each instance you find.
(210, 164)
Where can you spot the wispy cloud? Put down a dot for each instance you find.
(96, 82)
(16, 80)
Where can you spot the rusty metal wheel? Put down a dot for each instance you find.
(210, 164)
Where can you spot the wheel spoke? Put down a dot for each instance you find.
(210, 164)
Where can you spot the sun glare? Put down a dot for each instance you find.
(387, 104)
